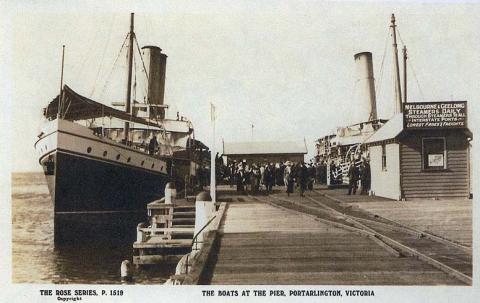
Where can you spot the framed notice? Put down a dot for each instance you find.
(435, 160)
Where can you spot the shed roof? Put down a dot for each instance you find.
(389, 130)
(252, 148)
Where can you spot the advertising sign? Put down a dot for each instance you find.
(420, 115)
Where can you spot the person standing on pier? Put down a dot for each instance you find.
(240, 176)
(262, 175)
(288, 179)
(254, 179)
(269, 178)
(333, 168)
(365, 176)
(352, 178)
(231, 173)
(281, 173)
(246, 176)
(311, 175)
(302, 175)
(287, 171)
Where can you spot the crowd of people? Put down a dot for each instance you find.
(359, 173)
(256, 177)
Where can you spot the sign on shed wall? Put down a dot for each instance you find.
(421, 115)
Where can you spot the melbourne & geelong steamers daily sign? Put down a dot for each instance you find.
(435, 115)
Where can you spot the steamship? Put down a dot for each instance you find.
(97, 159)
(346, 143)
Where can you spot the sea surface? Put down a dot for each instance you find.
(35, 259)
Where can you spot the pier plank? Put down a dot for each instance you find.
(451, 219)
(262, 244)
(336, 278)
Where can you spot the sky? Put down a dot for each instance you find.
(286, 67)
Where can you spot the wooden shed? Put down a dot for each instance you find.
(423, 152)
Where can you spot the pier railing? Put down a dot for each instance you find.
(198, 271)
(195, 241)
(195, 238)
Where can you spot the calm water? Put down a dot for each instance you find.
(87, 261)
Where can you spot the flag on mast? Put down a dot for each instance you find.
(212, 112)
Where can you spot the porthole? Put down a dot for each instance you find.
(118, 157)
(153, 165)
(128, 160)
(105, 153)
(89, 149)
(143, 162)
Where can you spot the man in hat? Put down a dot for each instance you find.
(269, 177)
(240, 175)
(352, 178)
(365, 176)
(302, 174)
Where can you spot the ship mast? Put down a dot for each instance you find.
(129, 75)
(398, 88)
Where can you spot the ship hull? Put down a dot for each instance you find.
(97, 187)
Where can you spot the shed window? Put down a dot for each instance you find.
(384, 157)
(434, 153)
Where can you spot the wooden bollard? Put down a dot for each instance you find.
(126, 271)
(204, 210)
(141, 236)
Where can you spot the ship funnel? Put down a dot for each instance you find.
(365, 88)
(155, 65)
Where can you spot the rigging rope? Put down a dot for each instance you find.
(113, 66)
(68, 107)
(416, 79)
(143, 64)
(134, 80)
(413, 70)
(400, 36)
(159, 124)
(80, 73)
(103, 57)
(378, 87)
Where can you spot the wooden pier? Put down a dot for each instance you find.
(168, 234)
(293, 240)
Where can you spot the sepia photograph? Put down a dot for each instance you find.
(260, 150)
